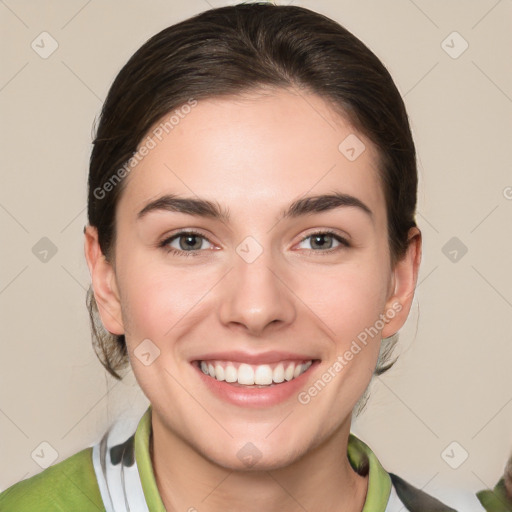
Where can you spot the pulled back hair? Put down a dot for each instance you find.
(237, 49)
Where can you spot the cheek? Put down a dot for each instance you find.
(158, 300)
(348, 300)
(158, 304)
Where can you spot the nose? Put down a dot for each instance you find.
(256, 297)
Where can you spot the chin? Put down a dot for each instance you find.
(249, 458)
(256, 455)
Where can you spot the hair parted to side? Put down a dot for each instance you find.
(246, 48)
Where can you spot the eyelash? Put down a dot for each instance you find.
(344, 243)
(171, 250)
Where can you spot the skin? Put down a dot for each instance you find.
(254, 155)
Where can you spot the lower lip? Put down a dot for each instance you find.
(256, 397)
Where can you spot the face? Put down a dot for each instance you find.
(254, 297)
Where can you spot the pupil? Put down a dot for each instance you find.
(189, 244)
(322, 242)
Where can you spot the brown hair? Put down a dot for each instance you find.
(232, 50)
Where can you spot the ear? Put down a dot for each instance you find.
(103, 282)
(403, 284)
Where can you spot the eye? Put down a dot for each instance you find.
(185, 243)
(325, 241)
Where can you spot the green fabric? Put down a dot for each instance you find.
(495, 500)
(143, 458)
(67, 486)
(379, 482)
(71, 484)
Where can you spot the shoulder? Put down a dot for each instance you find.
(67, 486)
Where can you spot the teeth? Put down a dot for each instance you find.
(263, 375)
(249, 375)
(231, 373)
(219, 372)
(245, 375)
(278, 375)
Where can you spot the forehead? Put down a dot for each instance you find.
(260, 147)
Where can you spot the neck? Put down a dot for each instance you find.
(322, 480)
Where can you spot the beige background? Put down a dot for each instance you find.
(453, 381)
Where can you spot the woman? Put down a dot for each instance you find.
(253, 253)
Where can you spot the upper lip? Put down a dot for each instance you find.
(253, 358)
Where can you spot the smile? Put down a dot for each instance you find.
(254, 375)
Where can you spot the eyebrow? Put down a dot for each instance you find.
(205, 208)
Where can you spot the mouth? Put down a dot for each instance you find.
(248, 379)
(257, 376)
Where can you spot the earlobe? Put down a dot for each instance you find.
(103, 283)
(405, 276)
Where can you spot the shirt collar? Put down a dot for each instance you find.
(360, 456)
(143, 458)
(364, 461)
